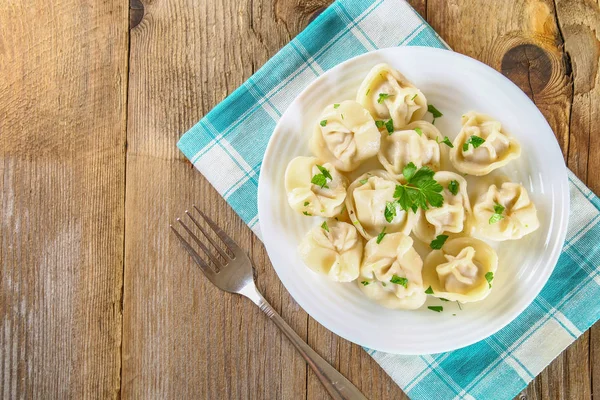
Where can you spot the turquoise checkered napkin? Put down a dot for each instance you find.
(234, 136)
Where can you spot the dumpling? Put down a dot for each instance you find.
(452, 215)
(390, 273)
(386, 94)
(472, 156)
(462, 270)
(312, 199)
(333, 249)
(345, 135)
(415, 143)
(505, 214)
(366, 201)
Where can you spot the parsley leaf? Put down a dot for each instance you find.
(383, 284)
(363, 181)
(324, 226)
(415, 96)
(443, 299)
(390, 211)
(381, 235)
(447, 142)
(336, 105)
(420, 190)
(389, 125)
(323, 123)
(419, 131)
(365, 283)
(497, 215)
(409, 171)
(453, 187)
(436, 308)
(320, 180)
(434, 111)
(379, 123)
(438, 242)
(398, 280)
(368, 90)
(382, 97)
(325, 172)
(476, 141)
(306, 203)
(306, 213)
(489, 277)
(429, 290)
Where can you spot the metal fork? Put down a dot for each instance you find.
(235, 275)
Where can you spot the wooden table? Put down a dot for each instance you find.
(97, 299)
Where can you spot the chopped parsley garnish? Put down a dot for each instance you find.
(323, 123)
(306, 213)
(324, 226)
(497, 215)
(342, 116)
(398, 280)
(383, 284)
(306, 203)
(419, 131)
(336, 105)
(382, 97)
(421, 190)
(381, 235)
(447, 142)
(489, 277)
(368, 90)
(415, 96)
(476, 141)
(389, 125)
(434, 111)
(321, 179)
(436, 308)
(438, 242)
(443, 299)
(429, 290)
(453, 187)
(365, 283)
(363, 181)
(379, 123)
(390, 211)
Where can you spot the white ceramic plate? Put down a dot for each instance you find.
(455, 84)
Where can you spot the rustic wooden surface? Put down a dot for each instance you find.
(97, 300)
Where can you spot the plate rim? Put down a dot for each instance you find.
(563, 213)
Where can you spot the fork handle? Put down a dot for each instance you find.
(338, 387)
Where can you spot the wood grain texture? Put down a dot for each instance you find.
(63, 77)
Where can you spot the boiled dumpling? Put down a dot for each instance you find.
(366, 201)
(505, 214)
(326, 200)
(462, 270)
(390, 272)
(471, 155)
(345, 135)
(333, 249)
(386, 94)
(418, 142)
(453, 213)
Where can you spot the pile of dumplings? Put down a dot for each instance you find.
(367, 235)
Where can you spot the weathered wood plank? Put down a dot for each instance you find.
(63, 78)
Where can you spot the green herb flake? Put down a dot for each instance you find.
(342, 116)
(442, 299)
(390, 211)
(497, 215)
(420, 191)
(436, 308)
(453, 187)
(489, 277)
(365, 283)
(368, 90)
(398, 280)
(383, 284)
(363, 181)
(320, 180)
(409, 170)
(336, 105)
(323, 123)
(429, 290)
(438, 242)
(306, 213)
(476, 141)
(434, 111)
(306, 203)
(389, 125)
(324, 226)
(325, 172)
(415, 96)
(447, 142)
(380, 123)
(382, 97)
(419, 131)
(381, 235)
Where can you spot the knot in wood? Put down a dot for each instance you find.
(529, 66)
